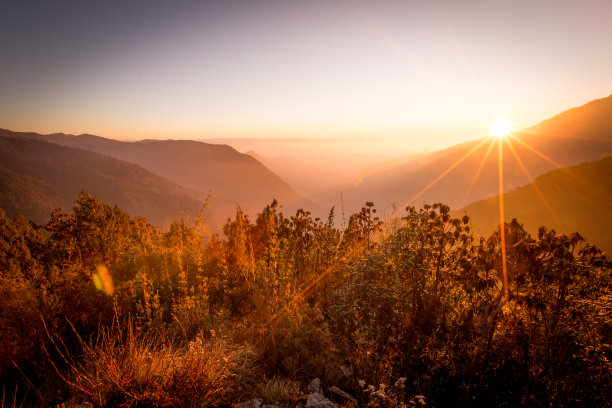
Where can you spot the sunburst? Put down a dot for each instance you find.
(500, 128)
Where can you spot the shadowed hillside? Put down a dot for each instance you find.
(473, 165)
(578, 198)
(37, 177)
(231, 177)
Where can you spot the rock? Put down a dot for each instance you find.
(277, 404)
(346, 371)
(290, 364)
(316, 400)
(254, 403)
(342, 394)
(418, 401)
(315, 386)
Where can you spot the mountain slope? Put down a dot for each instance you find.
(231, 177)
(36, 177)
(590, 121)
(587, 136)
(578, 199)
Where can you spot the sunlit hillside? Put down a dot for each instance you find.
(591, 121)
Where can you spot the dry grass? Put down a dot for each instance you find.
(279, 389)
(10, 401)
(126, 369)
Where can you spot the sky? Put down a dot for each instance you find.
(406, 75)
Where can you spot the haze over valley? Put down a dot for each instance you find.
(190, 172)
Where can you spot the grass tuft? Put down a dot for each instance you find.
(279, 389)
(127, 369)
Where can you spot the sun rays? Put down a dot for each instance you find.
(533, 182)
(479, 170)
(443, 174)
(502, 218)
(501, 134)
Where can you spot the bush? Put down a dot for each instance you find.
(281, 300)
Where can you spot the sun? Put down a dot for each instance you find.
(500, 128)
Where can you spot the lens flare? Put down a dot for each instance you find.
(103, 280)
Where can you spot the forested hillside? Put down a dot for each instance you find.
(37, 177)
(230, 177)
(577, 198)
(103, 308)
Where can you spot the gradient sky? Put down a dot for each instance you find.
(427, 73)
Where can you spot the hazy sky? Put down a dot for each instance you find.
(427, 73)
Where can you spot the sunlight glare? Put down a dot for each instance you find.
(500, 128)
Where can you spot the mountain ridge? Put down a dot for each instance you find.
(578, 199)
(233, 178)
(452, 173)
(36, 177)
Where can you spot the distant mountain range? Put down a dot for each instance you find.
(164, 179)
(36, 177)
(230, 177)
(578, 198)
(469, 171)
(311, 165)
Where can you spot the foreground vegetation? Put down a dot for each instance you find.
(101, 307)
